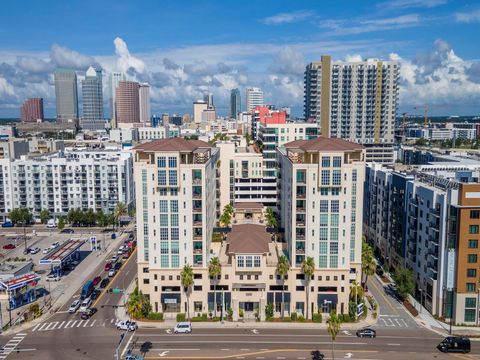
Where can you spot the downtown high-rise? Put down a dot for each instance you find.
(235, 103)
(66, 95)
(127, 110)
(114, 79)
(92, 97)
(355, 101)
(144, 103)
(253, 98)
(32, 110)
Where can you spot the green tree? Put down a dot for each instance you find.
(368, 262)
(283, 267)
(89, 217)
(405, 282)
(271, 221)
(101, 218)
(186, 279)
(214, 270)
(226, 217)
(356, 297)
(138, 305)
(20, 216)
(308, 269)
(44, 216)
(333, 328)
(120, 210)
(421, 142)
(61, 223)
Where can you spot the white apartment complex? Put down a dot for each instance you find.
(70, 179)
(253, 98)
(144, 101)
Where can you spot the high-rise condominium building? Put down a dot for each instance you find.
(115, 78)
(199, 107)
(92, 92)
(127, 102)
(321, 197)
(66, 95)
(253, 98)
(355, 101)
(235, 103)
(144, 99)
(32, 110)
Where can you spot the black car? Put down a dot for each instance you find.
(455, 344)
(27, 251)
(88, 313)
(95, 294)
(104, 283)
(366, 332)
(67, 231)
(117, 266)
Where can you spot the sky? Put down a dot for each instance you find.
(187, 48)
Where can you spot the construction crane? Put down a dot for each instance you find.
(426, 122)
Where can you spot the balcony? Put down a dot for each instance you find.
(300, 209)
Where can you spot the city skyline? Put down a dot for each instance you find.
(180, 66)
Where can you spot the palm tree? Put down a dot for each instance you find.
(368, 263)
(333, 328)
(186, 278)
(308, 268)
(283, 267)
(271, 221)
(119, 211)
(214, 270)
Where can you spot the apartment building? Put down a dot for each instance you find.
(320, 199)
(425, 218)
(70, 179)
(355, 101)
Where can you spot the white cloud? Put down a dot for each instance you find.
(468, 17)
(126, 61)
(288, 18)
(64, 57)
(405, 4)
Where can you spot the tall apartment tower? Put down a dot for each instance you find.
(355, 101)
(235, 103)
(66, 95)
(144, 99)
(176, 211)
(321, 198)
(253, 98)
(32, 110)
(199, 107)
(92, 92)
(114, 79)
(127, 103)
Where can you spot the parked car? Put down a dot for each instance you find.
(114, 259)
(117, 266)
(96, 280)
(74, 307)
(51, 224)
(85, 304)
(366, 332)
(55, 245)
(53, 277)
(183, 328)
(9, 247)
(95, 294)
(111, 273)
(108, 266)
(104, 283)
(88, 313)
(46, 250)
(120, 251)
(455, 344)
(34, 250)
(27, 251)
(67, 231)
(126, 325)
(7, 224)
(379, 270)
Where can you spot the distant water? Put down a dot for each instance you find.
(6, 121)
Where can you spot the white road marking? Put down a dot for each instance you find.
(55, 323)
(68, 323)
(86, 322)
(393, 344)
(73, 323)
(93, 322)
(61, 324)
(225, 349)
(112, 321)
(43, 326)
(21, 334)
(244, 349)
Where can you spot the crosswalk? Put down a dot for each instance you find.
(70, 324)
(12, 344)
(392, 321)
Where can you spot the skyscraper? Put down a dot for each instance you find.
(355, 101)
(235, 103)
(92, 93)
(144, 99)
(127, 103)
(115, 78)
(32, 110)
(199, 107)
(208, 98)
(66, 95)
(254, 98)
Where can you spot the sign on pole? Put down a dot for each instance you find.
(450, 269)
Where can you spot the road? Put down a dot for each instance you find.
(66, 336)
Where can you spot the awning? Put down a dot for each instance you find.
(227, 297)
(326, 299)
(170, 298)
(248, 286)
(20, 281)
(277, 296)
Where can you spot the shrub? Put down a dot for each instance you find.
(181, 317)
(374, 315)
(301, 319)
(269, 311)
(317, 318)
(293, 316)
(345, 318)
(240, 313)
(230, 314)
(155, 316)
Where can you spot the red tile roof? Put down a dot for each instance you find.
(248, 239)
(173, 144)
(248, 206)
(324, 144)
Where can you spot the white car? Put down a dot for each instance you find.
(74, 307)
(120, 252)
(46, 250)
(183, 328)
(55, 245)
(34, 250)
(85, 304)
(53, 277)
(114, 259)
(111, 273)
(126, 325)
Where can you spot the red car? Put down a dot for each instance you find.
(96, 280)
(9, 247)
(108, 266)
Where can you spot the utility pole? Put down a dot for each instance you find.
(24, 235)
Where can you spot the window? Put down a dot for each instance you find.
(473, 229)
(354, 175)
(172, 177)
(172, 162)
(474, 214)
(473, 244)
(174, 206)
(324, 191)
(336, 177)
(174, 234)
(337, 161)
(323, 219)
(163, 206)
(471, 272)
(470, 287)
(162, 177)
(162, 162)
(256, 261)
(325, 161)
(325, 177)
(323, 206)
(336, 191)
(472, 258)
(470, 302)
(323, 234)
(335, 206)
(470, 315)
(240, 261)
(163, 219)
(248, 261)
(163, 233)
